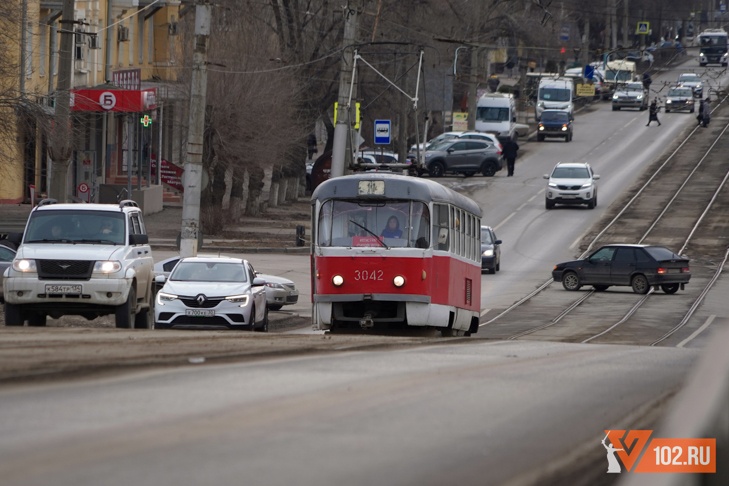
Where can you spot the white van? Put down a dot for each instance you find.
(555, 94)
(496, 113)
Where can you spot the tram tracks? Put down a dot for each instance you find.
(689, 193)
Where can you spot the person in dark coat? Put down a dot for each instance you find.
(704, 113)
(653, 113)
(509, 150)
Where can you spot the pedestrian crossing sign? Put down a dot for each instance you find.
(643, 28)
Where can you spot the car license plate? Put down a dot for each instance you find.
(200, 312)
(63, 289)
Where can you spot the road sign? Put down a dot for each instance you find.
(564, 33)
(589, 72)
(382, 132)
(83, 188)
(643, 28)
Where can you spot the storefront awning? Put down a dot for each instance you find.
(118, 100)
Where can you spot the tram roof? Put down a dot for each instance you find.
(396, 187)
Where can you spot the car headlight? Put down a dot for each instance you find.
(24, 266)
(587, 185)
(640, 97)
(540, 104)
(541, 127)
(107, 266)
(273, 285)
(552, 184)
(668, 102)
(564, 128)
(238, 299)
(615, 96)
(163, 297)
(488, 253)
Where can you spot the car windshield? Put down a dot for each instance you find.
(486, 237)
(556, 116)
(492, 114)
(209, 272)
(638, 88)
(382, 224)
(83, 227)
(571, 173)
(554, 94)
(682, 92)
(692, 78)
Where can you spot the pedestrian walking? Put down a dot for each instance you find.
(653, 113)
(704, 115)
(509, 148)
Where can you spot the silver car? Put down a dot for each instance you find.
(680, 98)
(693, 81)
(280, 291)
(212, 291)
(465, 157)
(571, 183)
(630, 95)
(7, 254)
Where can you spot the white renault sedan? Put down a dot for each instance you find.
(212, 291)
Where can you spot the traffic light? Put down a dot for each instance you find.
(562, 50)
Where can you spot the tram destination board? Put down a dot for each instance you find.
(371, 188)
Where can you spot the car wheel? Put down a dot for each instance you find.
(692, 110)
(571, 281)
(37, 319)
(498, 266)
(492, 270)
(13, 315)
(703, 64)
(670, 288)
(591, 203)
(668, 110)
(436, 169)
(275, 307)
(600, 288)
(126, 312)
(640, 284)
(548, 204)
(616, 108)
(264, 325)
(468, 174)
(488, 169)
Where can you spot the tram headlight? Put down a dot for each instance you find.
(399, 281)
(337, 280)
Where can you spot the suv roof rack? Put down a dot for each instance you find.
(128, 203)
(45, 202)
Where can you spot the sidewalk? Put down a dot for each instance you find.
(272, 232)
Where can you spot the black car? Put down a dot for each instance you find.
(638, 266)
(555, 123)
(490, 250)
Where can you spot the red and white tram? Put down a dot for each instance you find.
(391, 252)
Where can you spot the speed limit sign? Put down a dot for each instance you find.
(83, 188)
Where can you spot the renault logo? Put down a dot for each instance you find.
(200, 299)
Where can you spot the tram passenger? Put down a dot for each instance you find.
(392, 230)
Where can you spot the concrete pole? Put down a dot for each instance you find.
(61, 138)
(473, 89)
(193, 161)
(341, 129)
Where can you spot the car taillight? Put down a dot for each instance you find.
(661, 271)
(685, 270)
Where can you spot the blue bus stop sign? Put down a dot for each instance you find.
(382, 132)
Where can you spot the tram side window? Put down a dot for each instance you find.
(420, 232)
(440, 227)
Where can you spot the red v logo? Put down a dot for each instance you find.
(632, 444)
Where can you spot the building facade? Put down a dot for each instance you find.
(126, 105)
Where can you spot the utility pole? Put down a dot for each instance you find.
(473, 89)
(61, 137)
(341, 129)
(193, 161)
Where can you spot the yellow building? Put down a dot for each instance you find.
(125, 58)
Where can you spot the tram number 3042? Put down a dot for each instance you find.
(365, 275)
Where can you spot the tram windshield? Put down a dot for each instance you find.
(382, 224)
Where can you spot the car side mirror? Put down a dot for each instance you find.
(546, 176)
(160, 279)
(596, 176)
(138, 239)
(258, 282)
(450, 150)
(497, 242)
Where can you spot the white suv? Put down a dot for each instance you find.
(571, 183)
(81, 259)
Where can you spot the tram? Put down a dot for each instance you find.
(392, 252)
